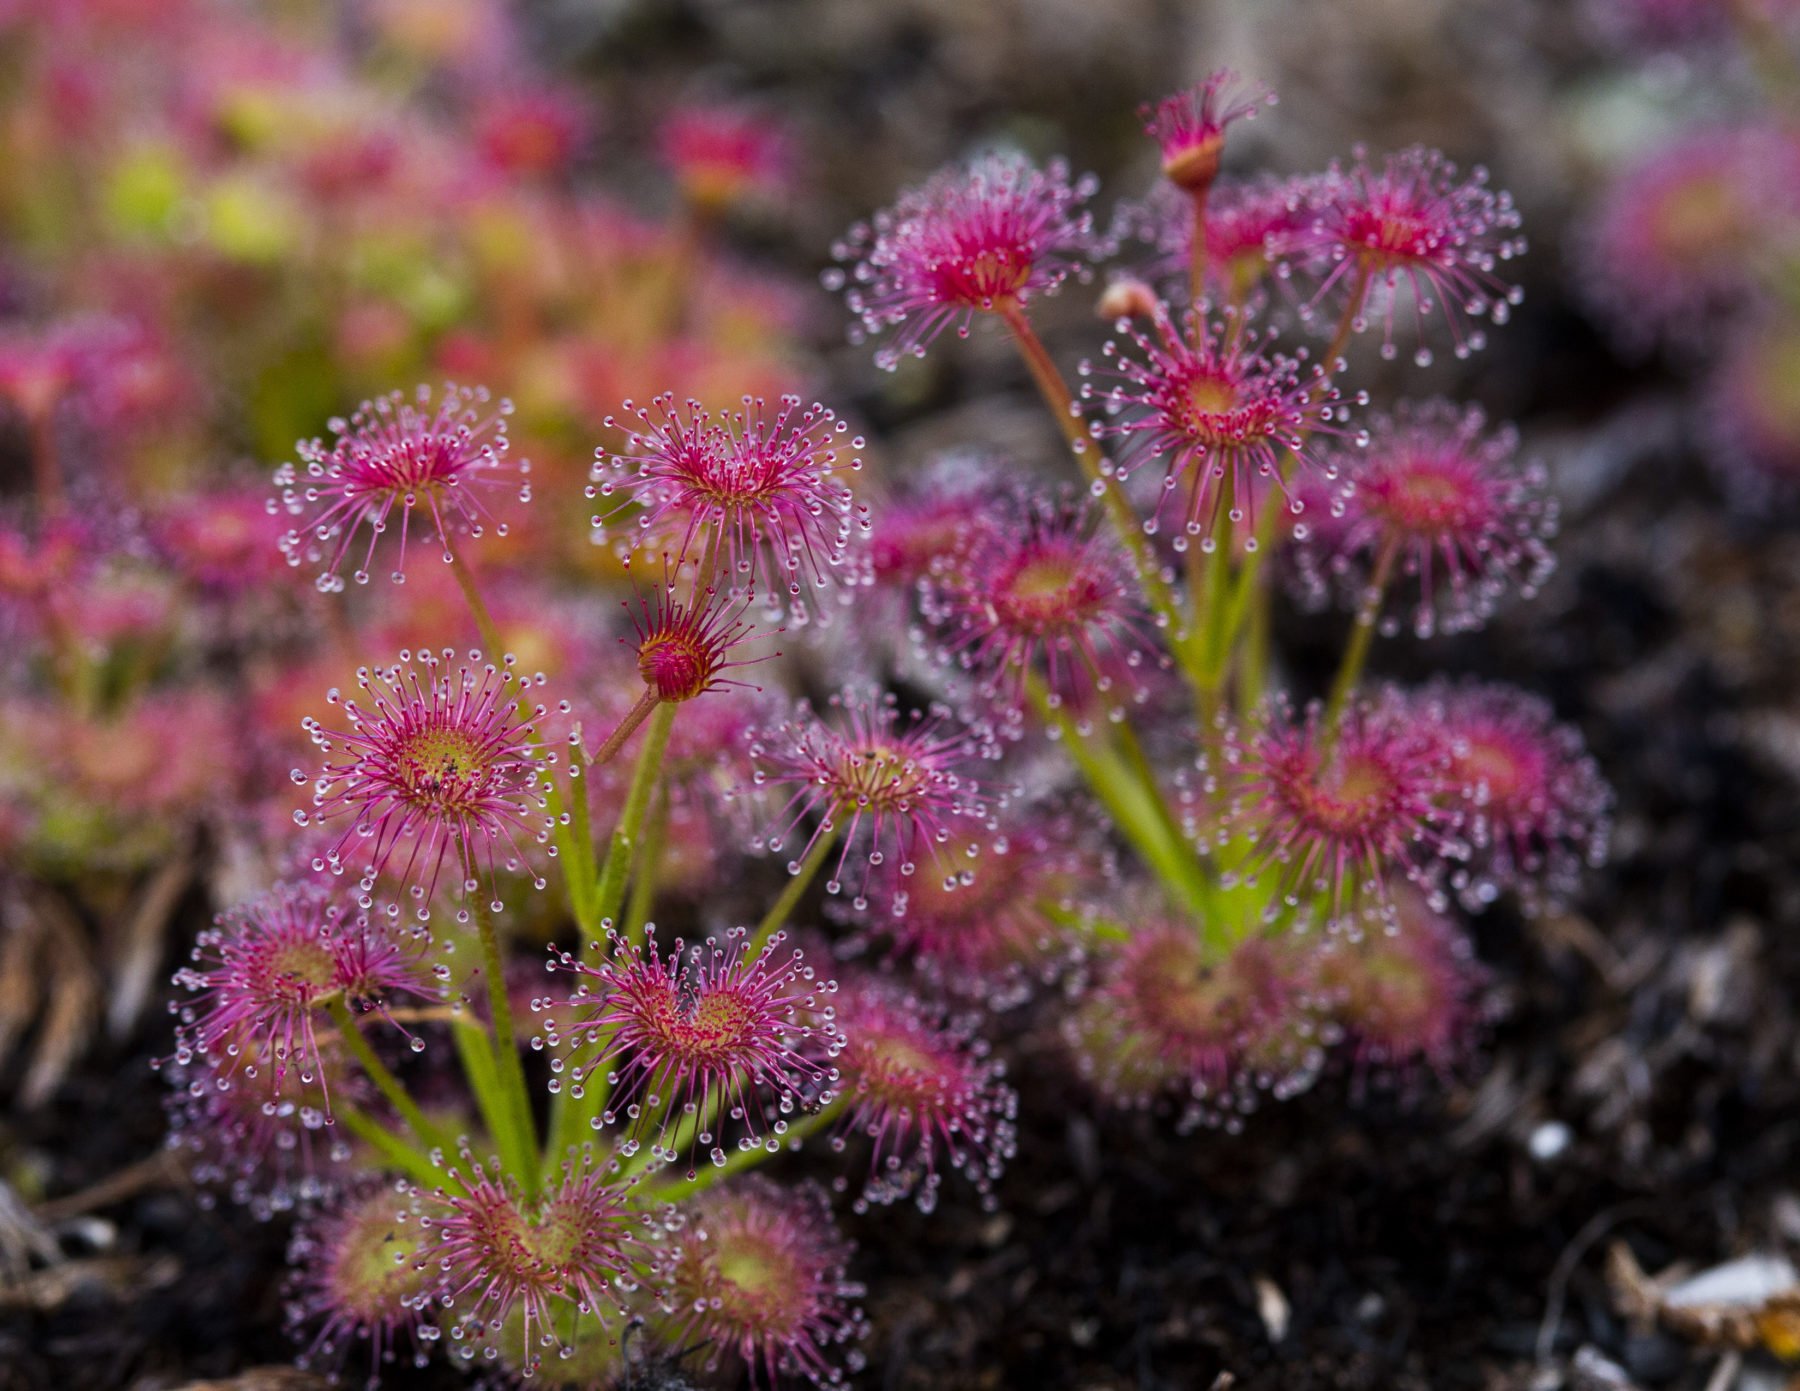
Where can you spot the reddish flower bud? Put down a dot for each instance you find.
(1189, 127)
(684, 649)
(722, 155)
(1127, 297)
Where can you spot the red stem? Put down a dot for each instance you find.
(633, 718)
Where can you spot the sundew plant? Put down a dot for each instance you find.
(576, 917)
(1693, 247)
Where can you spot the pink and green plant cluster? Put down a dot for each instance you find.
(1694, 246)
(1040, 762)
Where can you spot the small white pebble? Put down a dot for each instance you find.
(1549, 1140)
(1272, 1308)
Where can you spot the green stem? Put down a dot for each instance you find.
(643, 883)
(478, 610)
(1193, 565)
(475, 1052)
(562, 1124)
(379, 1073)
(506, 1051)
(1210, 602)
(798, 883)
(740, 1160)
(1139, 763)
(610, 893)
(1197, 256)
(1216, 655)
(1088, 456)
(1356, 652)
(627, 726)
(569, 1113)
(709, 562)
(1218, 565)
(394, 1149)
(580, 872)
(1137, 808)
(571, 1116)
(1248, 578)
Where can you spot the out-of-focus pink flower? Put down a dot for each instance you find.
(892, 787)
(1166, 1019)
(1753, 405)
(265, 971)
(361, 1275)
(1690, 230)
(1446, 500)
(527, 131)
(1402, 995)
(1255, 231)
(1534, 808)
(1039, 593)
(394, 456)
(721, 155)
(995, 931)
(758, 501)
(35, 372)
(114, 371)
(925, 522)
(757, 1272)
(269, 1148)
(167, 757)
(45, 559)
(503, 1254)
(987, 237)
(1414, 229)
(922, 1086)
(226, 541)
(1337, 813)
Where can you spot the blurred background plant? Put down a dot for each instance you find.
(225, 225)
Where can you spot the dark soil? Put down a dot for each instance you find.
(1375, 1233)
